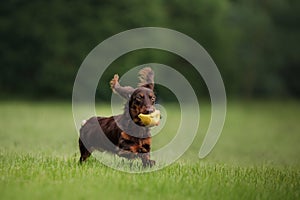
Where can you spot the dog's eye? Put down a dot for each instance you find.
(138, 100)
(152, 99)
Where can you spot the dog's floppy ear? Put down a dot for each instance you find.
(146, 76)
(124, 92)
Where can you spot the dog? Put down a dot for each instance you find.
(124, 134)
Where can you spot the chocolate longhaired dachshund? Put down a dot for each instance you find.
(124, 134)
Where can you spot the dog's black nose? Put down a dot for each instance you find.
(149, 110)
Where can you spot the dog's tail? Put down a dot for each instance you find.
(83, 123)
(146, 76)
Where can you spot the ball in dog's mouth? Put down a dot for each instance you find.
(151, 119)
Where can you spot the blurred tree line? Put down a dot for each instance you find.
(255, 43)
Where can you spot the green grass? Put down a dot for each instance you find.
(257, 157)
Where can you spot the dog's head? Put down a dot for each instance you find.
(141, 101)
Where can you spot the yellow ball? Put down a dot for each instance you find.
(150, 119)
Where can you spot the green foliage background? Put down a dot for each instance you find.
(255, 44)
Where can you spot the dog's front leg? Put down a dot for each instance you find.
(144, 152)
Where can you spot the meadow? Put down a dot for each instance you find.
(256, 157)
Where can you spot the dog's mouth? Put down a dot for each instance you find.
(151, 119)
(138, 120)
(145, 117)
(148, 111)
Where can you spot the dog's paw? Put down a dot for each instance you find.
(148, 163)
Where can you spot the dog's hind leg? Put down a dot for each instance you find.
(84, 153)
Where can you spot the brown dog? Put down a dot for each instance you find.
(125, 134)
